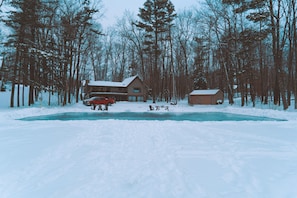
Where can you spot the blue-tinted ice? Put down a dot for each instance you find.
(152, 116)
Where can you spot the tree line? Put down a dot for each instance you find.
(245, 48)
(48, 47)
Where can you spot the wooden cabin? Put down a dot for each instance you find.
(130, 89)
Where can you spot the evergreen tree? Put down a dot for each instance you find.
(24, 22)
(199, 76)
(199, 79)
(156, 20)
(269, 13)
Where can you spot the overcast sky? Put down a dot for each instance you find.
(114, 9)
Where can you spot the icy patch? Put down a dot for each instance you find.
(150, 116)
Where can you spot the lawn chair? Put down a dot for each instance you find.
(151, 108)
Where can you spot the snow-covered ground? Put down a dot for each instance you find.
(152, 159)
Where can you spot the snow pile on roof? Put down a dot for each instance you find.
(124, 83)
(205, 92)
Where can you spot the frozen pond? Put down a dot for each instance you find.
(160, 116)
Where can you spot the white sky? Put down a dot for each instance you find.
(114, 9)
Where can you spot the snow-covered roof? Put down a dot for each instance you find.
(127, 81)
(124, 83)
(105, 84)
(205, 92)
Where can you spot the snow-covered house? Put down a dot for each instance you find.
(130, 89)
(206, 97)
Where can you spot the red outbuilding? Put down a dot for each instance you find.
(206, 97)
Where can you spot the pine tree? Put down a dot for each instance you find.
(199, 79)
(199, 76)
(269, 13)
(156, 20)
(25, 22)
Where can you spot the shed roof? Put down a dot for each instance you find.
(125, 83)
(205, 92)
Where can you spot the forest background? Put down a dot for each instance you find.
(248, 49)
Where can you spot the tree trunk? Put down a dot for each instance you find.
(277, 46)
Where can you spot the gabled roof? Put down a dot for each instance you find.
(128, 81)
(205, 92)
(125, 83)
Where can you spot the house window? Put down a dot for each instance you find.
(136, 90)
(132, 98)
